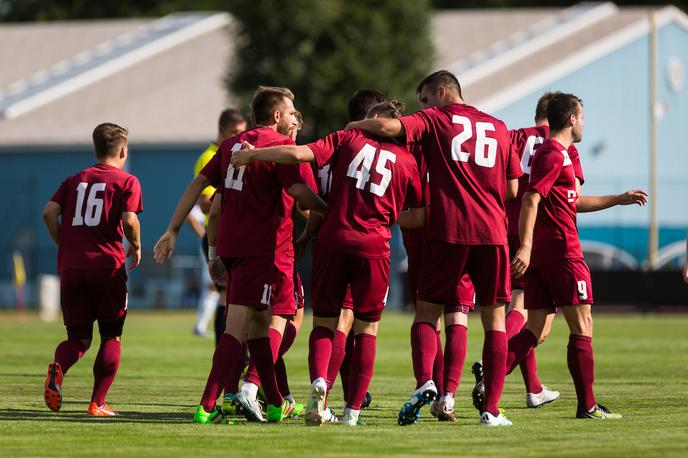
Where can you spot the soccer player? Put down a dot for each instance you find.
(246, 239)
(98, 206)
(286, 296)
(372, 180)
(550, 253)
(525, 142)
(231, 122)
(473, 172)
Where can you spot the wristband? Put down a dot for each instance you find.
(211, 253)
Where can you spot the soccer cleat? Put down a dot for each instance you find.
(95, 410)
(435, 408)
(250, 408)
(446, 409)
(366, 400)
(279, 413)
(315, 409)
(487, 419)
(52, 389)
(478, 393)
(214, 417)
(410, 411)
(329, 416)
(228, 407)
(540, 399)
(599, 412)
(350, 418)
(298, 408)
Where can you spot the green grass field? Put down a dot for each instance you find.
(641, 371)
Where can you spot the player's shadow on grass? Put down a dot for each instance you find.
(28, 415)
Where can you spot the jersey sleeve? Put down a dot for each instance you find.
(203, 159)
(324, 149)
(414, 189)
(575, 161)
(417, 125)
(60, 195)
(544, 172)
(213, 170)
(131, 196)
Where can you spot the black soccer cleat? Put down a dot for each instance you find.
(367, 400)
(478, 393)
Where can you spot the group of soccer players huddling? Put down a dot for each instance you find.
(488, 215)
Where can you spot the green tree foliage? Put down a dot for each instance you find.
(324, 51)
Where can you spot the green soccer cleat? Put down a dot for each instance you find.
(298, 408)
(277, 414)
(599, 412)
(214, 417)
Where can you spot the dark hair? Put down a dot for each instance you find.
(361, 101)
(229, 118)
(442, 78)
(266, 101)
(560, 108)
(108, 139)
(541, 108)
(391, 109)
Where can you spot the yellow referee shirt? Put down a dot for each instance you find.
(203, 159)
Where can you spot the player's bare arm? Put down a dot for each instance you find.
(306, 198)
(204, 202)
(51, 217)
(195, 226)
(586, 204)
(380, 127)
(412, 218)
(216, 268)
(511, 189)
(526, 224)
(313, 224)
(285, 154)
(164, 248)
(132, 232)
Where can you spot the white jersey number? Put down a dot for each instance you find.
(232, 182)
(531, 144)
(485, 147)
(94, 205)
(360, 169)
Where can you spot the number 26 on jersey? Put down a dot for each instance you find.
(485, 150)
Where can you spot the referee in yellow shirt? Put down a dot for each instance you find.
(231, 122)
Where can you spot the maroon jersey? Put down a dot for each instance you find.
(372, 181)
(414, 238)
(470, 160)
(552, 176)
(285, 231)
(92, 203)
(251, 195)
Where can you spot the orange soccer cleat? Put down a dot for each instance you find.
(100, 411)
(52, 390)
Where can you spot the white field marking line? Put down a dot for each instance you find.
(582, 58)
(536, 43)
(120, 63)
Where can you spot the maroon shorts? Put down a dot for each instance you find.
(514, 245)
(90, 295)
(299, 295)
(556, 284)
(445, 264)
(333, 272)
(283, 300)
(249, 280)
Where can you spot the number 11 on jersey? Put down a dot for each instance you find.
(230, 181)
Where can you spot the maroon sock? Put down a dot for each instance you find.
(494, 368)
(228, 361)
(362, 363)
(519, 346)
(68, 352)
(438, 374)
(582, 368)
(346, 364)
(513, 322)
(262, 354)
(454, 357)
(423, 350)
(337, 358)
(105, 368)
(275, 343)
(280, 367)
(319, 352)
(529, 373)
